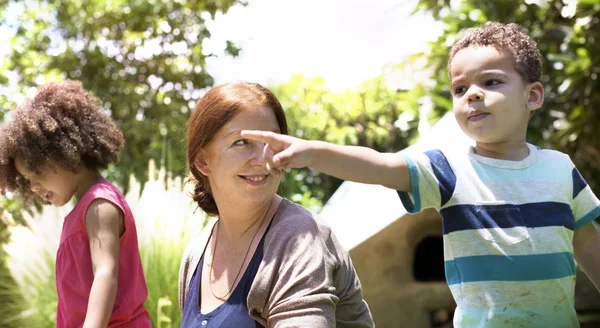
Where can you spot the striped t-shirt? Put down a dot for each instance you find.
(508, 232)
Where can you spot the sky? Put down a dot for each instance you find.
(343, 41)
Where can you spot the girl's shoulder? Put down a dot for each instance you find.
(103, 189)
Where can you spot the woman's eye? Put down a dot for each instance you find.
(490, 83)
(241, 142)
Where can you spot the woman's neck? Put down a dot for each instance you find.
(237, 222)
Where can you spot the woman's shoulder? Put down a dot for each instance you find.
(197, 245)
(296, 230)
(291, 216)
(190, 259)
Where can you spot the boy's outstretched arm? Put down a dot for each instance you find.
(586, 244)
(360, 164)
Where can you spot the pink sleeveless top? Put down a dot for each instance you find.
(74, 275)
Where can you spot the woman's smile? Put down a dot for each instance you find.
(255, 180)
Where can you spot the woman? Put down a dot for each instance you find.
(266, 261)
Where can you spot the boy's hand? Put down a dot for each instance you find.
(354, 163)
(282, 151)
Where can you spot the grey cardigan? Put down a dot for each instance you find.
(305, 279)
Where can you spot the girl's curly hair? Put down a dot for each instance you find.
(505, 37)
(62, 126)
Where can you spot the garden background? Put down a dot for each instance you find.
(147, 62)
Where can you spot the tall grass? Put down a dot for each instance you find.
(165, 222)
(168, 225)
(12, 303)
(30, 259)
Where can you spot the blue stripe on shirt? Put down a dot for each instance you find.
(532, 215)
(578, 182)
(509, 268)
(414, 185)
(443, 173)
(591, 216)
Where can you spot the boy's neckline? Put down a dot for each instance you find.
(506, 164)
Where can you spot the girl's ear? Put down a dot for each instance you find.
(535, 97)
(201, 163)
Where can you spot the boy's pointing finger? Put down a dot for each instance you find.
(263, 136)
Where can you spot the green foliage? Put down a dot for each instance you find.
(568, 37)
(11, 300)
(161, 262)
(143, 59)
(10, 211)
(42, 298)
(33, 287)
(12, 303)
(366, 116)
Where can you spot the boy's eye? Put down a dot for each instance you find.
(459, 90)
(491, 83)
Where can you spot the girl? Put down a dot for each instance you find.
(54, 147)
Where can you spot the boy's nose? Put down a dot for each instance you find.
(474, 96)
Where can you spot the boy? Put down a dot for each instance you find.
(515, 217)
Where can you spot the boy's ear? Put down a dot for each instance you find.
(201, 164)
(535, 96)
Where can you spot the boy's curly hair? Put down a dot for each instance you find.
(505, 37)
(62, 126)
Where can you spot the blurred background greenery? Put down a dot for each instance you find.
(145, 60)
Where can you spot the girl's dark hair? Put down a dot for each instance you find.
(62, 126)
(505, 37)
(217, 107)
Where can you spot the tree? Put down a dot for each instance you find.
(373, 115)
(568, 35)
(143, 59)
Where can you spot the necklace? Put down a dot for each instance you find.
(212, 261)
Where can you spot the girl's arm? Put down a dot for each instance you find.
(105, 225)
(354, 163)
